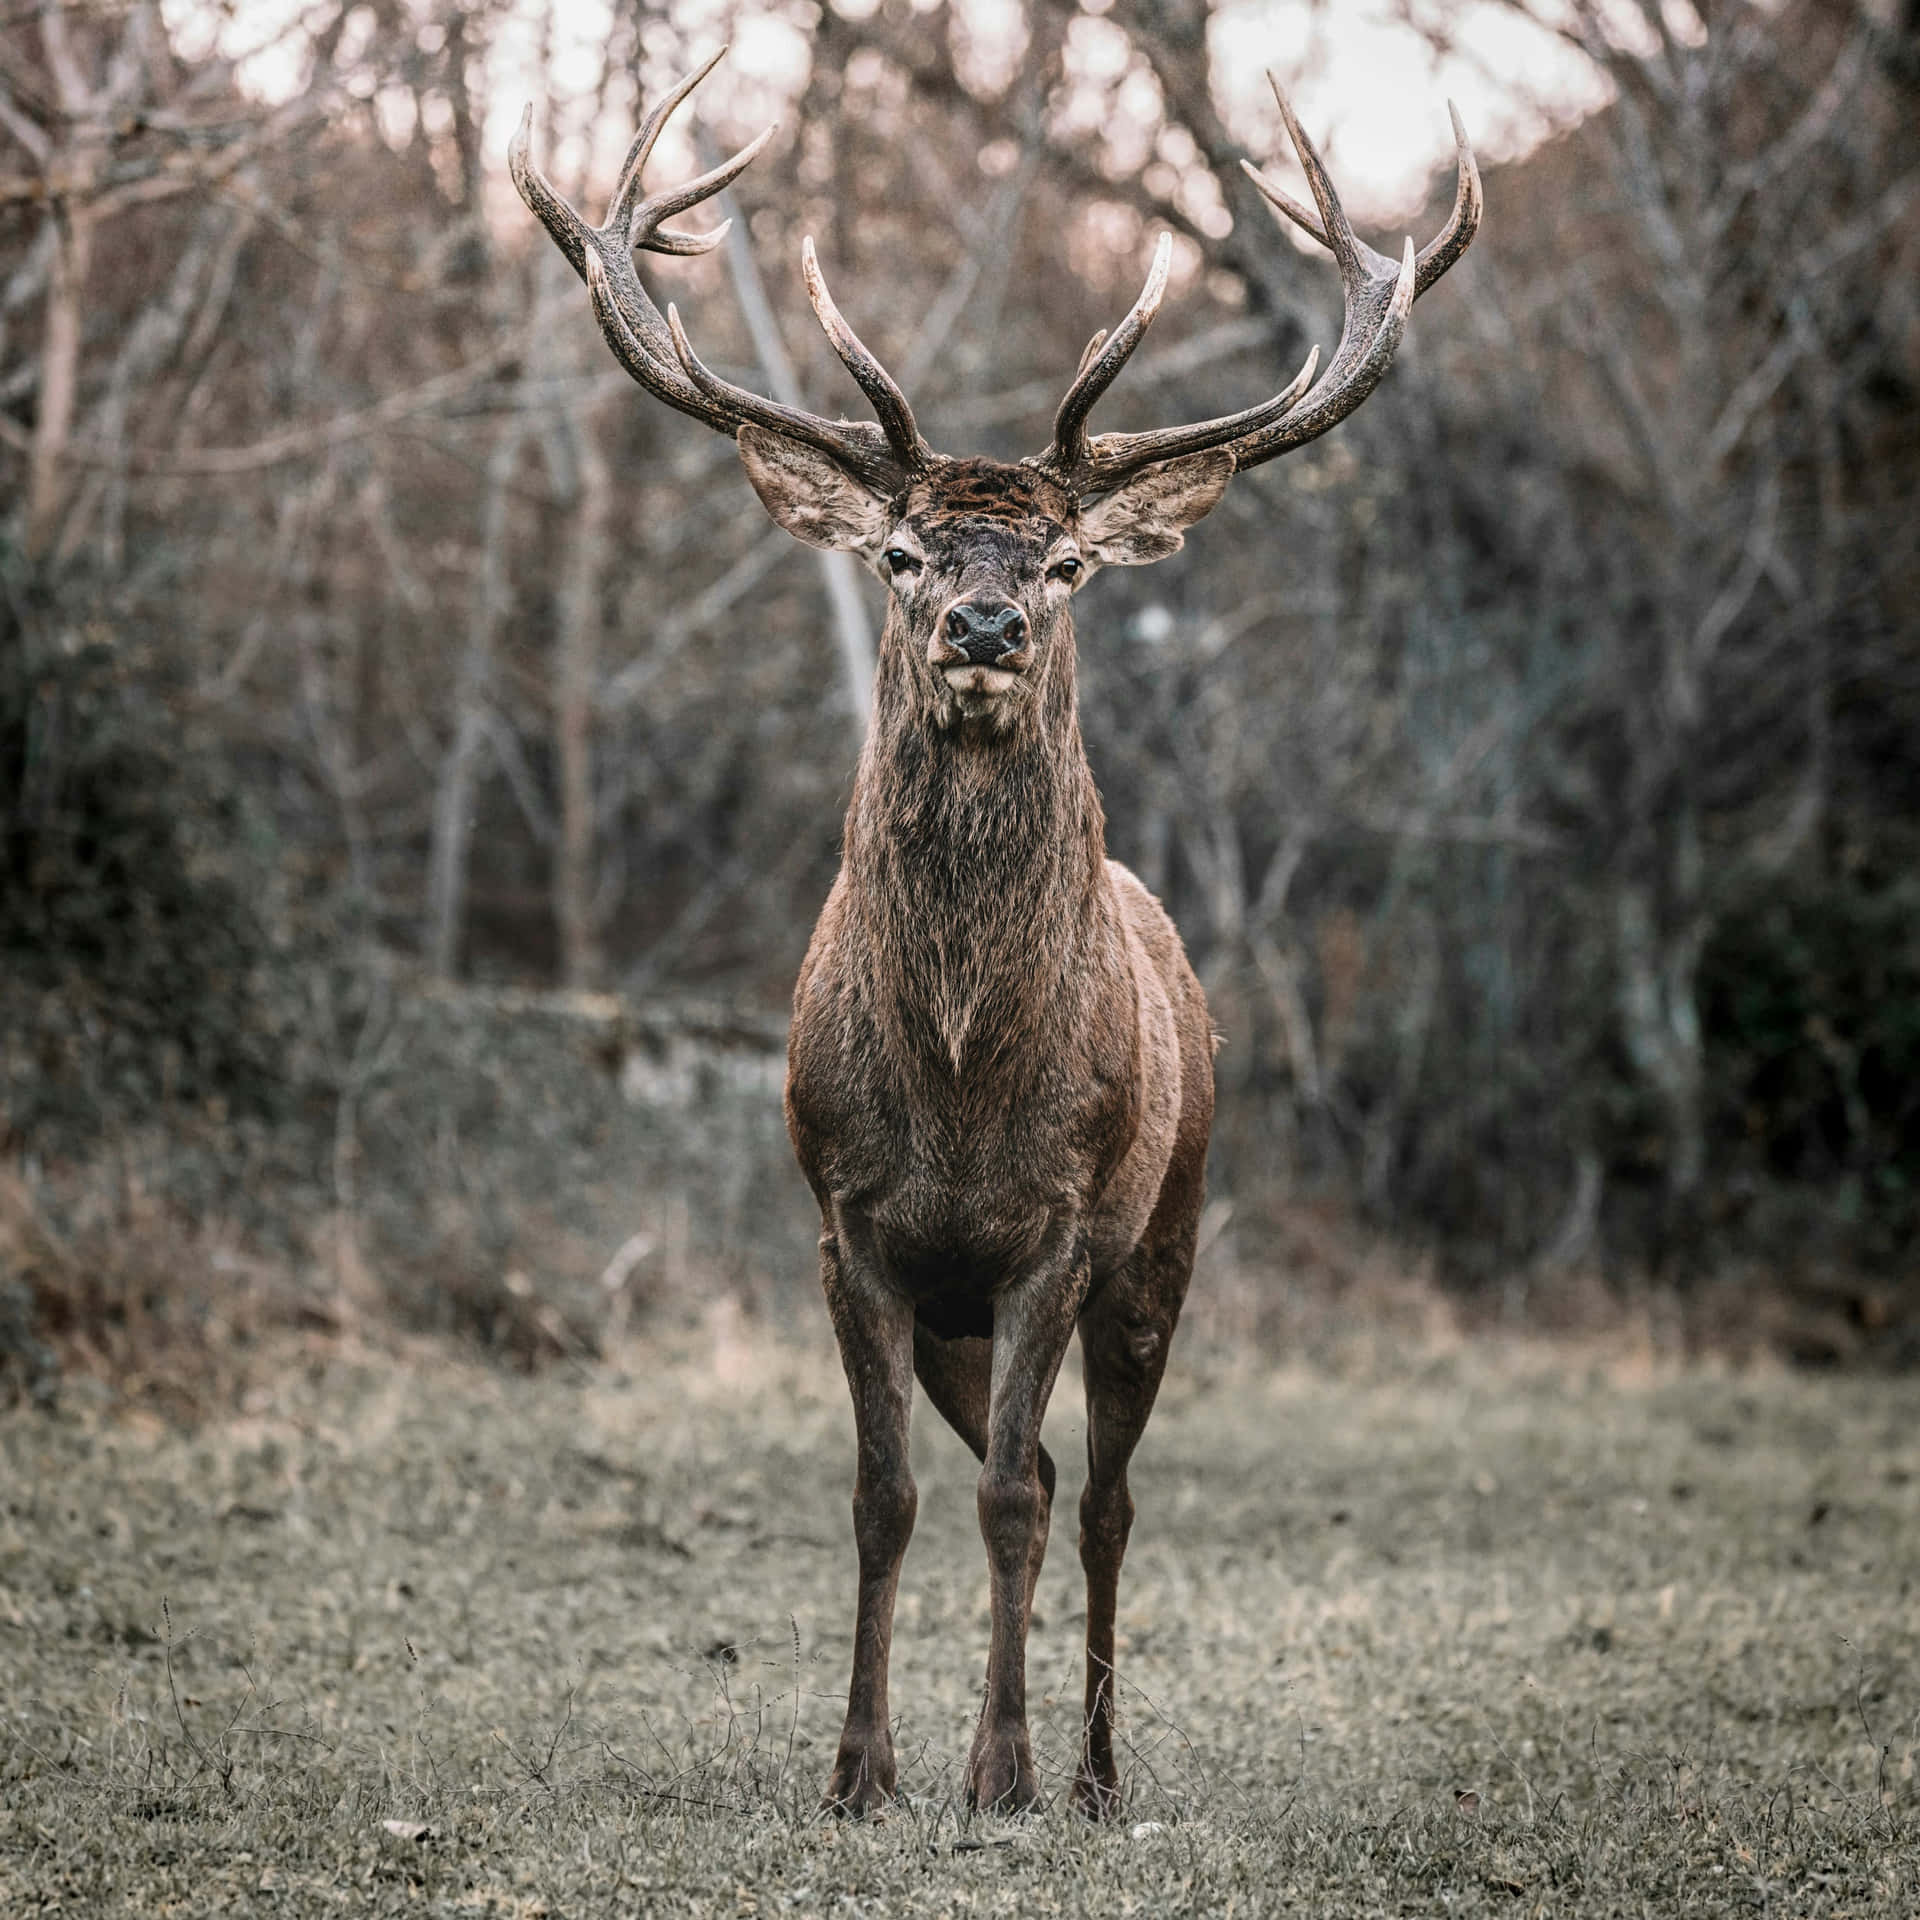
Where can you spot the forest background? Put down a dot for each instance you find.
(420, 762)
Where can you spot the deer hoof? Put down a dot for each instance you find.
(1096, 1799)
(862, 1802)
(859, 1789)
(1000, 1778)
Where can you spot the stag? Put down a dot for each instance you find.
(1000, 1072)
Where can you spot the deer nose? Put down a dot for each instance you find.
(985, 630)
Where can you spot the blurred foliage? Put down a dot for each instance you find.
(133, 938)
(1811, 1000)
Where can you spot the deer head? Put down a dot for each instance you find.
(981, 557)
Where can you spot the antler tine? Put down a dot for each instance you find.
(896, 416)
(1435, 257)
(856, 444)
(1283, 202)
(640, 150)
(1463, 223)
(1335, 231)
(626, 225)
(1099, 369)
(663, 206)
(571, 231)
(1379, 295)
(550, 207)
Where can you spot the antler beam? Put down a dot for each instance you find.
(654, 350)
(1095, 466)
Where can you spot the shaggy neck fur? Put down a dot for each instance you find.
(977, 852)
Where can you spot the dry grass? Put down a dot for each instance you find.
(1464, 1633)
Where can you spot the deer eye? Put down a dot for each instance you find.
(1067, 570)
(900, 561)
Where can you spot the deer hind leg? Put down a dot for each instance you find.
(1033, 1321)
(874, 1326)
(1124, 1336)
(958, 1378)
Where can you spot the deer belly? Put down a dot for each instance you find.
(950, 1252)
(1126, 1204)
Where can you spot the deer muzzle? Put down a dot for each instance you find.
(984, 632)
(981, 645)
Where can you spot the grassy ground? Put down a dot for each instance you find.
(1490, 1635)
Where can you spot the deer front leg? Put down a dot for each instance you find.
(958, 1378)
(874, 1326)
(1032, 1323)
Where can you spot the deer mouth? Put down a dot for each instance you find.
(982, 680)
(979, 679)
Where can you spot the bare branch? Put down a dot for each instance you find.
(21, 124)
(294, 442)
(694, 616)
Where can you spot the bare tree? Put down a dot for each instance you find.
(576, 678)
(102, 130)
(1691, 384)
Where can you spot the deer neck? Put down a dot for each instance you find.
(976, 858)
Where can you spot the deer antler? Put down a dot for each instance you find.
(1095, 466)
(655, 350)
(1379, 294)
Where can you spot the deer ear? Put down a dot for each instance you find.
(1145, 520)
(814, 498)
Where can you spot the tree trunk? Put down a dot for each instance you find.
(59, 377)
(459, 781)
(576, 669)
(839, 572)
(1660, 1023)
